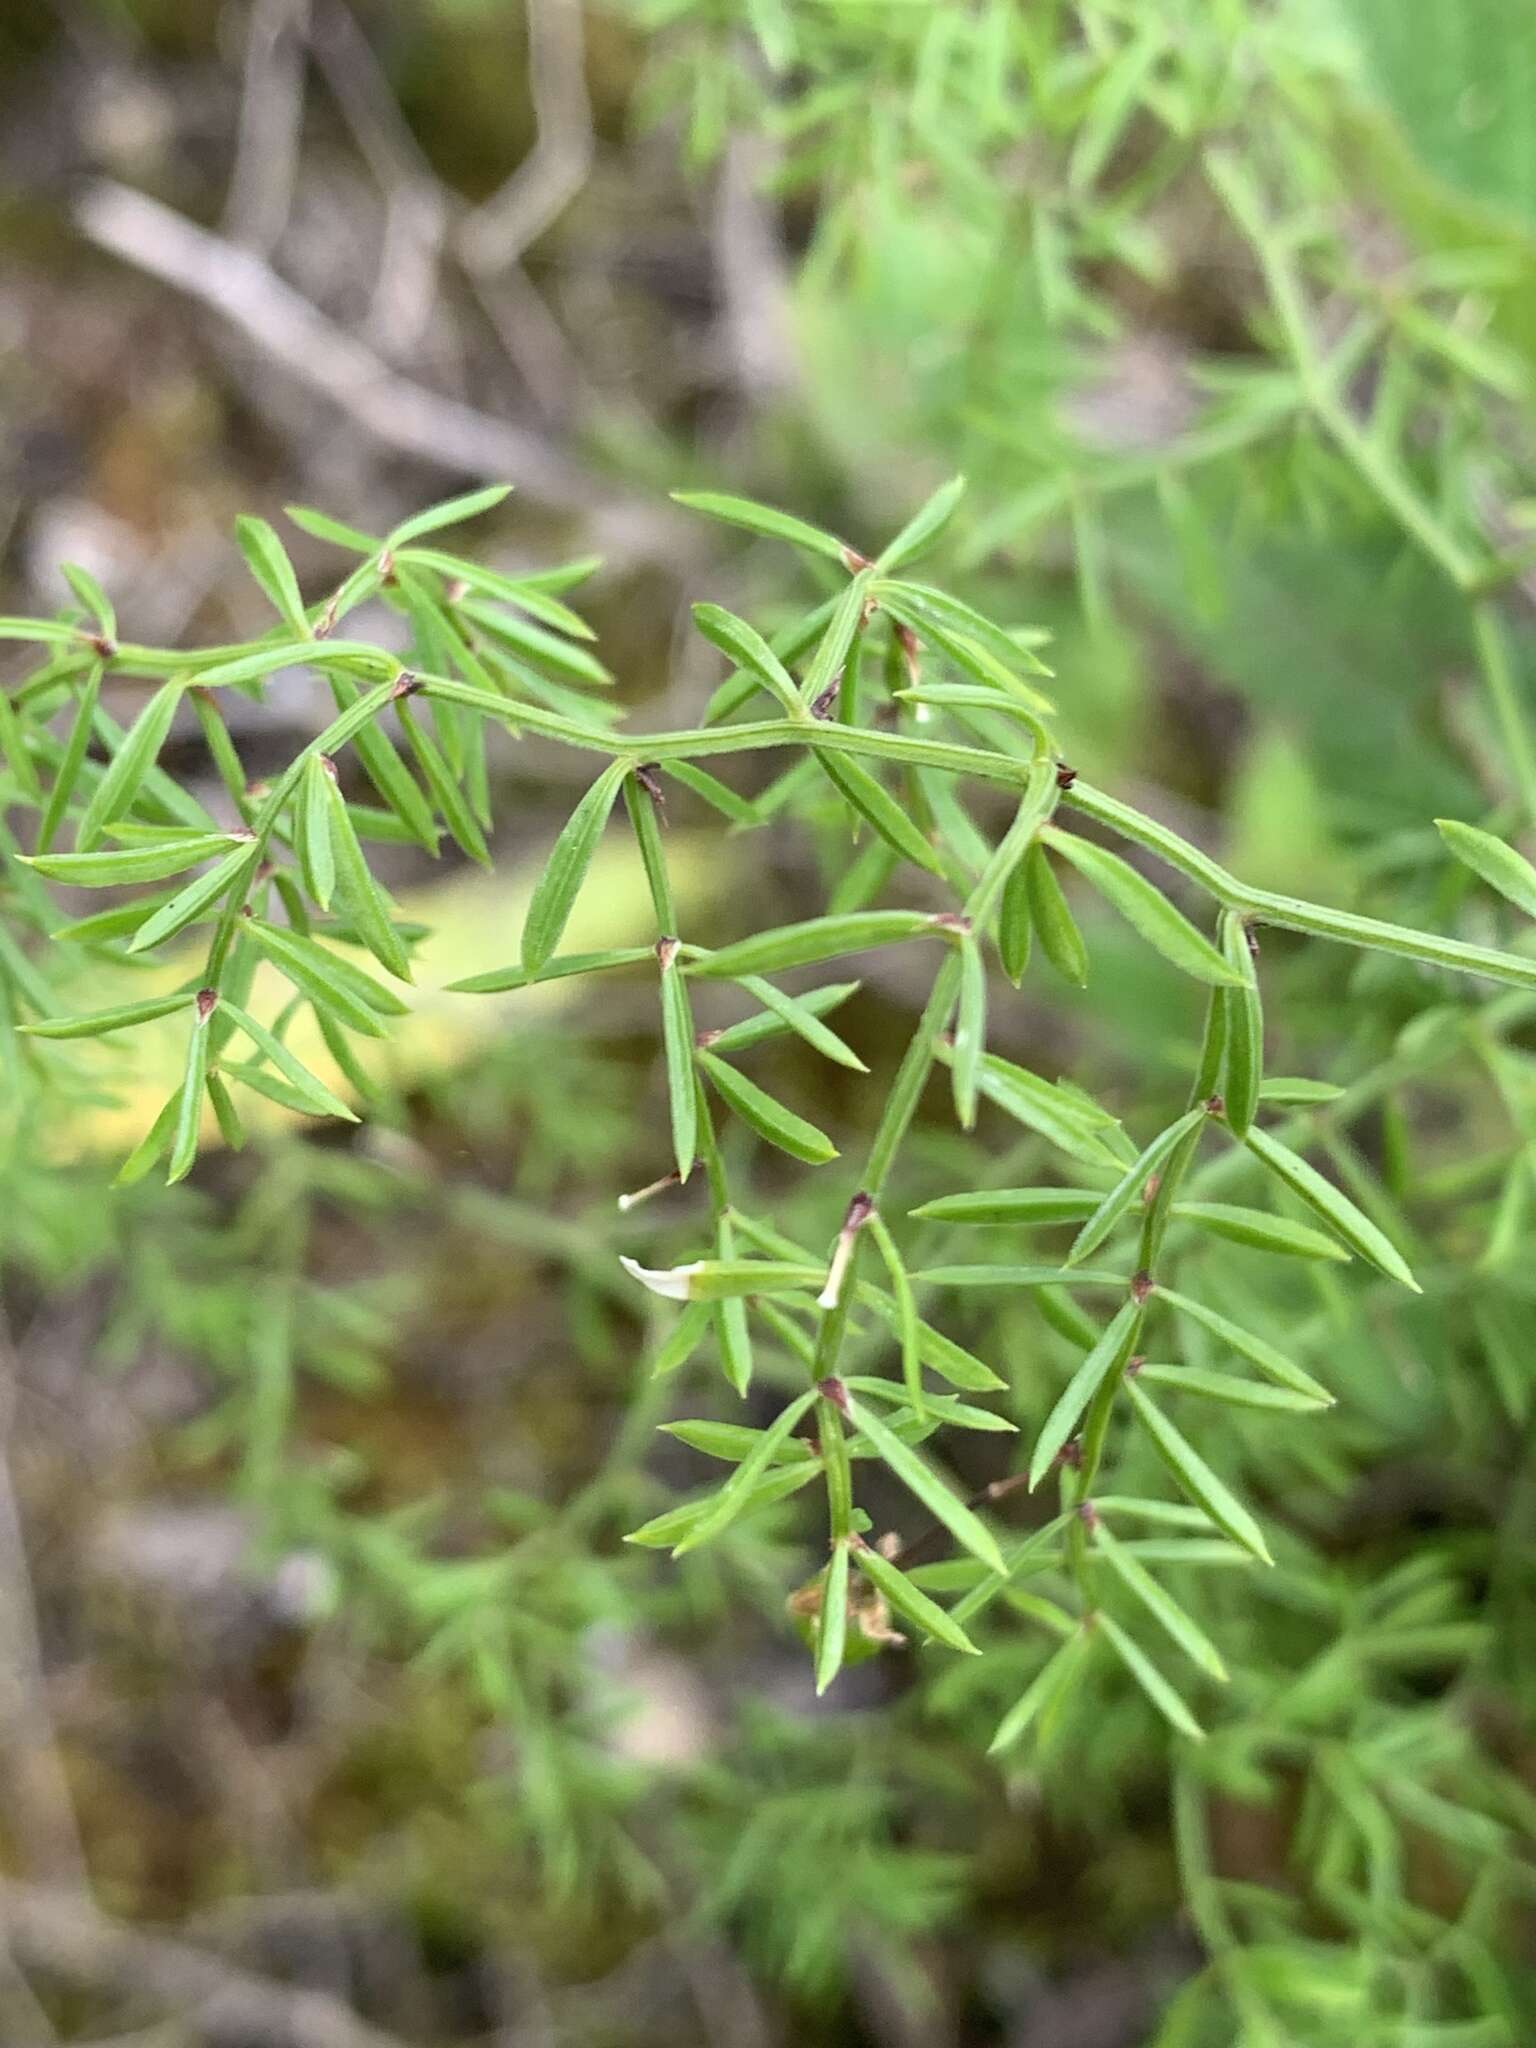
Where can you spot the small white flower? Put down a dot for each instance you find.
(674, 1283)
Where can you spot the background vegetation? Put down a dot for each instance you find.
(325, 1662)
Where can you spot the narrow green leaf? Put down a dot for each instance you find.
(1504, 870)
(1180, 1627)
(1272, 1363)
(451, 512)
(835, 645)
(726, 1279)
(922, 529)
(329, 982)
(718, 795)
(911, 1602)
(312, 1091)
(939, 608)
(450, 800)
(832, 1622)
(1015, 925)
(71, 761)
(1012, 1205)
(819, 938)
(683, 1339)
(677, 1044)
(1295, 1091)
(939, 1353)
(906, 1314)
(1131, 1186)
(1261, 1230)
(939, 1407)
(763, 519)
(932, 1490)
(1105, 1360)
(100, 1022)
(92, 596)
(1237, 1393)
(776, 1485)
(499, 979)
(363, 902)
(769, 1118)
(542, 651)
(321, 526)
(150, 1146)
(384, 768)
(1213, 1048)
(878, 808)
(1064, 1118)
(970, 1032)
(231, 1129)
(800, 1014)
(312, 810)
(531, 593)
(332, 657)
(731, 1441)
(267, 559)
(1243, 1066)
(571, 856)
(1150, 1679)
(1052, 920)
(1144, 907)
(151, 863)
(1047, 1687)
(744, 645)
(1196, 1477)
(129, 766)
(190, 903)
(13, 744)
(1333, 1205)
(734, 1496)
(189, 1103)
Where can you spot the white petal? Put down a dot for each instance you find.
(673, 1282)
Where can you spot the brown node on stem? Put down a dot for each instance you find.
(1141, 1286)
(666, 951)
(1070, 1454)
(650, 782)
(1088, 1514)
(1149, 1191)
(407, 683)
(853, 561)
(1215, 1105)
(823, 706)
(100, 644)
(706, 1037)
(860, 1209)
(207, 1001)
(1134, 1364)
(950, 921)
(1065, 776)
(834, 1391)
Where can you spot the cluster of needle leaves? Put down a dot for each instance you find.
(865, 682)
(924, 728)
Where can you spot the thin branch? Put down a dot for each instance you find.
(261, 186)
(556, 168)
(250, 295)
